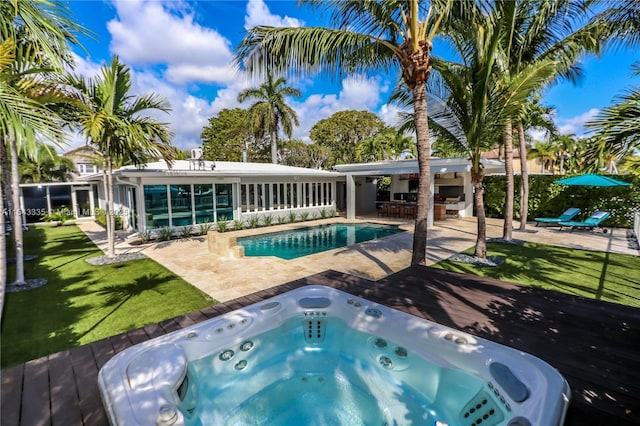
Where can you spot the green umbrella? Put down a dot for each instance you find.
(592, 180)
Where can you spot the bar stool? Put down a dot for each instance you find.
(410, 211)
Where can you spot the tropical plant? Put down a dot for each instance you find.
(238, 225)
(166, 234)
(144, 236)
(293, 216)
(59, 215)
(267, 220)
(185, 232)
(539, 31)
(45, 166)
(222, 223)
(114, 122)
(545, 153)
(34, 44)
(270, 112)
(205, 228)
(367, 36)
(253, 221)
(295, 152)
(477, 99)
(282, 219)
(304, 216)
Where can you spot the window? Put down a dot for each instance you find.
(203, 203)
(155, 206)
(224, 201)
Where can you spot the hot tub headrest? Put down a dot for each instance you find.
(314, 302)
(509, 382)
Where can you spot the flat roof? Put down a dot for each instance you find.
(216, 169)
(438, 165)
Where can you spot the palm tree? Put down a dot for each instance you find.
(367, 36)
(270, 111)
(535, 116)
(618, 125)
(34, 37)
(478, 99)
(46, 166)
(539, 30)
(545, 152)
(114, 122)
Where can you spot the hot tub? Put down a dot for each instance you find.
(319, 356)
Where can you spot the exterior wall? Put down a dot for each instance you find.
(179, 201)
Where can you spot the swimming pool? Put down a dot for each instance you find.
(314, 239)
(319, 356)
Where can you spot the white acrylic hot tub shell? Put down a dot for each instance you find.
(138, 386)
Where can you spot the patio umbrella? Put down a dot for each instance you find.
(591, 180)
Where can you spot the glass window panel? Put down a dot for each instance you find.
(243, 198)
(260, 196)
(35, 203)
(224, 201)
(203, 202)
(181, 212)
(155, 206)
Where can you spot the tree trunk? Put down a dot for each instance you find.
(111, 229)
(274, 139)
(524, 181)
(419, 255)
(508, 190)
(478, 201)
(3, 243)
(17, 213)
(6, 181)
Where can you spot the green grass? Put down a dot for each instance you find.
(83, 303)
(597, 275)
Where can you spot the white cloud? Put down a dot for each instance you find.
(152, 33)
(357, 93)
(575, 125)
(259, 14)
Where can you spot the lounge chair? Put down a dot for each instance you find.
(564, 217)
(592, 222)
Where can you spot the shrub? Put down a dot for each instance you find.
(204, 228)
(267, 220)
(59, 215)
(282, 219)
(186, 231)
(253, 221)
(101, 218)
(548, 199)
(144, 236)
(323, 213)
(304, 216)
(165, 233)
(222, 224)
(292, 217)
(238, 225)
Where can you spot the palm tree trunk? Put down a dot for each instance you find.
(524, 182)
(478, 201)
(3, 243)
(419, 255)
(508, 190)
(17, 229)
(274, 139)
(111, 232)
(6, 180)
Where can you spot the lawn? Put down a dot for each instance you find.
(597, 275)
(83, 303)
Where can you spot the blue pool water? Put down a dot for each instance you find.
(330, 375)
(305, 241)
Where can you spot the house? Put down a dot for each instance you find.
(450, 184)
(192, 192)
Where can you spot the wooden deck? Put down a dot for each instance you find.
(595, 345)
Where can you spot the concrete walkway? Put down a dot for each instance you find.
(225, 279)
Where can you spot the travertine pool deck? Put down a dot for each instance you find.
(226, 278)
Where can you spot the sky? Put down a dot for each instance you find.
(183, 50)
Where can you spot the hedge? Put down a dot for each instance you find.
(549, 199)
(101, 218)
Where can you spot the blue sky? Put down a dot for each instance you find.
(183, 51)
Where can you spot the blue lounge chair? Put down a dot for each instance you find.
(564, 217)
(592, 222)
